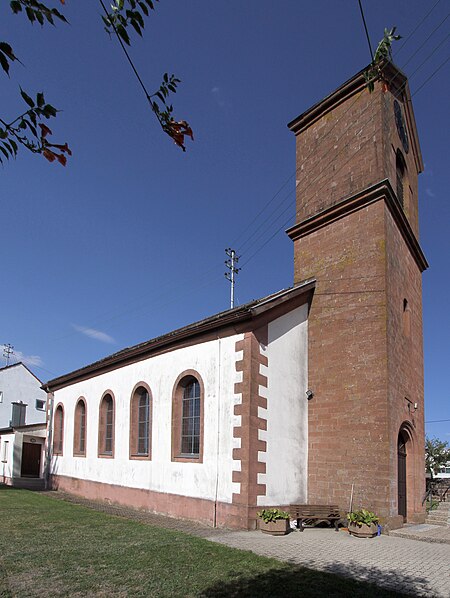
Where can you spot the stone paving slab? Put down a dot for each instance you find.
(397, 564)
(424, 532)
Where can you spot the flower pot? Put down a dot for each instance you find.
(365, 531)
(279, 527)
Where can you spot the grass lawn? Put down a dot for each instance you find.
(53, 548)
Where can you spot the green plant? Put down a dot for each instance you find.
(382, 53)
(362, 517)
(432, 505)
(268, 515)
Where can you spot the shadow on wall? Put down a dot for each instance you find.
(338, 579)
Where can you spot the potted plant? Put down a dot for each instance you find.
(362, 523)
(274, 522)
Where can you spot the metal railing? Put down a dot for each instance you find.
(437, 491)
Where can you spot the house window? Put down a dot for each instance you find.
(1, 396)
(187, 418)
(58, 431)
(140, 422)
(106, 426)
(5, 451)
(79, 432)
(40, 405)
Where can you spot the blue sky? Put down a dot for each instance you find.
(127, 242)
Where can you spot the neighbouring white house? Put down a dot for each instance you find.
(22, 456)
(22, 400)
(23, 413)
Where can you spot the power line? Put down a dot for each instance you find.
(437, 421)
(366, 30)
(315, 180)
(422, 45)
(417, 26)
(141, 83)
(206, 274)
(431, 76)
(312, 152)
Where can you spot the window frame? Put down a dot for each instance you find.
(40, 401)
(103, 424)
(134, 423)
(58, 444)
(177, 417)
(77, 451)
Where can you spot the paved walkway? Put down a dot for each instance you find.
(396, 563)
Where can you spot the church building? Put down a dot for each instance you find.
(313, 394)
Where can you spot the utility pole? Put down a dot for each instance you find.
(230, 264)
(7, 352)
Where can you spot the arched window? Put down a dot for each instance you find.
(79, 432)
(187, 418)
(106, 426)
(140, 422)
(400, 169)
(58, 431)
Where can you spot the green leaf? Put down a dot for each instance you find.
(40, 99)
(30, 14)
(49, 111)
(14, 146)
(4, 152)
(15, 6)
(136, 27)
(139, 19)
(27, 98)
(4, 63)
(144, 8)
(57, 14)
(123, 34)
(6, 49)
(39, 17)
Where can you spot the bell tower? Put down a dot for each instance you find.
(356, 232)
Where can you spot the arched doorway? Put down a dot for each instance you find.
(401, 459)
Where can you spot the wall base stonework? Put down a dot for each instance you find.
(173, 505)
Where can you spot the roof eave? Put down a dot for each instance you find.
(219, 321)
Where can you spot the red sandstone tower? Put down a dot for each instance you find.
(356, 233)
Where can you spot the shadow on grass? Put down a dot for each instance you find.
(337, 579)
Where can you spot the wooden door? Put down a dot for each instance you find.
(401, 476)
(31, 460)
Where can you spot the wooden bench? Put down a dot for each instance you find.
(303, 513)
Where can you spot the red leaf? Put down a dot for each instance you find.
(45, 130)
(49, 155)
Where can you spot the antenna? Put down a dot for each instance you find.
(7, 352)
(230, 264)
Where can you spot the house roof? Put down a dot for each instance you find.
(25, 428)
(221, 320)
(13, 365)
